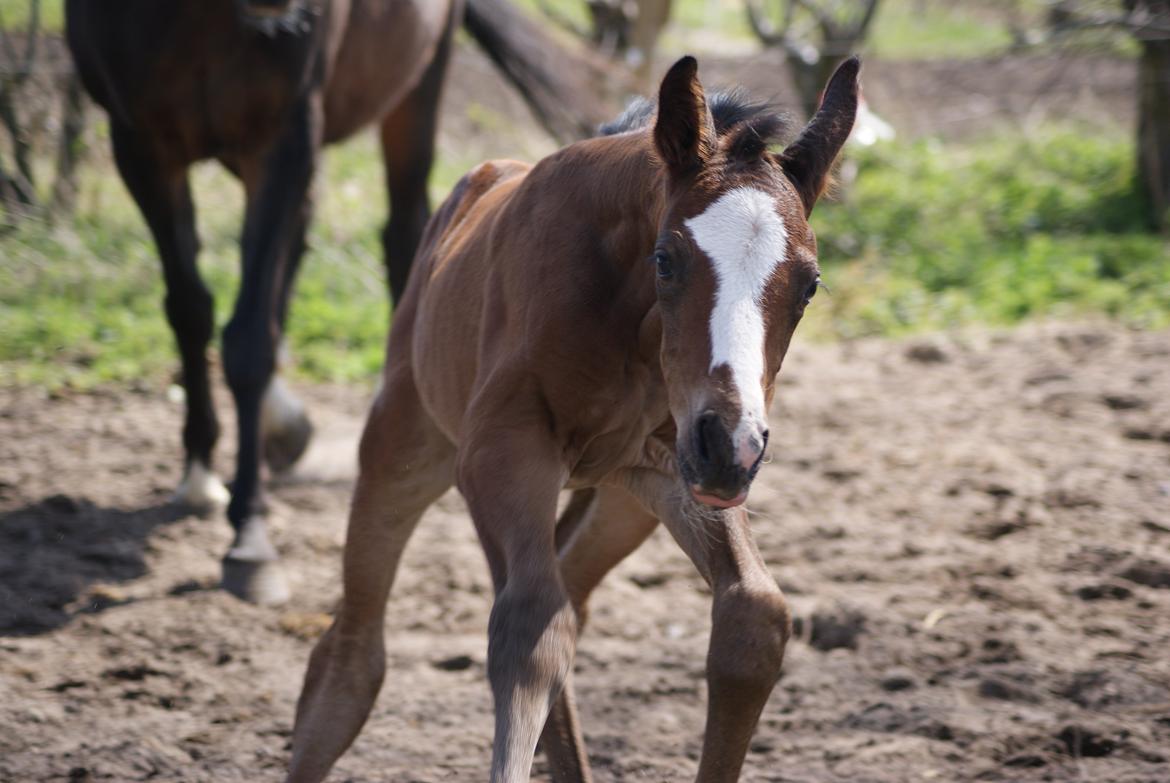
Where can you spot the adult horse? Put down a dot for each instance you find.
(611, 321)
(260, 85)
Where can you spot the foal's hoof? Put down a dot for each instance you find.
(285, 425)
(201, 489)
(251, 568)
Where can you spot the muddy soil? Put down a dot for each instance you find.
(974, 532)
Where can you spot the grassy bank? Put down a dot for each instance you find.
(928, 236)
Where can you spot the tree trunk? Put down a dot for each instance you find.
(70, 146)
(1153, 140)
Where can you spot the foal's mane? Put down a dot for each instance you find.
(750, 126)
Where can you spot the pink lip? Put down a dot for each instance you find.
(717, 502)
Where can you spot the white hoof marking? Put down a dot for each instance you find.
(201, 488)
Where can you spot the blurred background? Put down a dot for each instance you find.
(997, 174)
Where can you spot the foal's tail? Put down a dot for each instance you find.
(559, 86)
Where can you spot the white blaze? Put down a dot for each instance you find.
(745, 239)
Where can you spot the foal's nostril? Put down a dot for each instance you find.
(706, 431)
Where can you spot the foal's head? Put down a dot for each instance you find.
(737, 264)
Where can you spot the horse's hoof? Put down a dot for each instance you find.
(259, 582)
(201, 489)
(283, 447)
(251, 568)
(285, 425)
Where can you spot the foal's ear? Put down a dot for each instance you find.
(684, 132)
(807, 160)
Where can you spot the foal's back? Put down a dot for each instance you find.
(521, 294)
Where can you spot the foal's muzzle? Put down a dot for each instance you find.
(718, 469)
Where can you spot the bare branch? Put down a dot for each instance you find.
(764, 30)
(563, 21)
(867, 18)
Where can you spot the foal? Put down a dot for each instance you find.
(610, 320)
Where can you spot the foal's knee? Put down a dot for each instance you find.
(751, 628)
(531, 634)
(344, 664)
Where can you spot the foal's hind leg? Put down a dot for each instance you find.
(604, 533)
(408, 149)
(161, 191)
(406, 464)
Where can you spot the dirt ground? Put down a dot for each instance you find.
(974, 532)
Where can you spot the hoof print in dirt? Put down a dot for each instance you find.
(1147, 572)
(830, 629)
(1004, 689)
(1097, 689)
(1081, 742)
(888, 719)
(1124, 402)
(1103, 591)
(1026, 761)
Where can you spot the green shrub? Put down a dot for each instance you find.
(934, 236)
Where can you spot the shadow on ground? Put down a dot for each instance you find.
(52, 550)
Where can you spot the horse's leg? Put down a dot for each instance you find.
(164, 197)
(276, 192)
(284, 424)
(408, 149)
(750, 620)
(511, 477)
(406, 464)
(603, 533)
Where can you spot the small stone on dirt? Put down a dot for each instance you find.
(898, 680)
(926, 352)
(1124, 402)
(831, 629)
(457, 663)
(1154, 527)
(305, 625)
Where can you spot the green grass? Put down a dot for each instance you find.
(81, 301)
(929, 236)
(935, 236)
(15, 14)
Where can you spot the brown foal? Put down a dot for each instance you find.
(610, 321)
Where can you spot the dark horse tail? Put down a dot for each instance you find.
(557, 85)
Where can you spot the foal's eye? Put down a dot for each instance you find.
(662, 264)
(812, 290)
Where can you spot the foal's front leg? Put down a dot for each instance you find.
(750, 619)
(510, 478)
